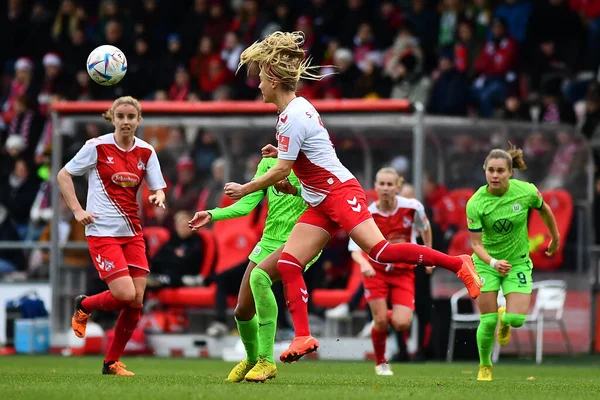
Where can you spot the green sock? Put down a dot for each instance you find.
(266, 309)
(485, 337)
(514, 320)
(249, 334)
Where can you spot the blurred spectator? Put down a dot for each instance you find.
(20, 85)
(466, 49)
(27, 124)
(516, 14)
(451, 13)
(516, 109)
(450, 91)
(347, 74)
(194, 22)
(232, 48)
(180, 257)
(568, 166)
(546, 66)
(480, 13)
(495, 68)
(182, 85)
(143, 64)
(212, 192)
(553, 20)
(409, 81)
(18, 195)
(183, 195)
(54, 82)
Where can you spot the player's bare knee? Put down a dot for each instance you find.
(380, 324)
(401, 324)
(243, 313)
(124, 294)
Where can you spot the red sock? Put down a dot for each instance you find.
(410, 253)
(128, 320)
(104, 301)
(295, 292)
(379, 338)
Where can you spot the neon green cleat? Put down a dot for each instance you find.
(238, 372)
(485, 373)
(262, 371)
(504, 329)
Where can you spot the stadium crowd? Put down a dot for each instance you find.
(513, 59)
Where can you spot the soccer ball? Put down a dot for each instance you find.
(106, 65)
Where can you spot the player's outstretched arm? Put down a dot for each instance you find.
(550, 222)
(278, 172)
(65, 183)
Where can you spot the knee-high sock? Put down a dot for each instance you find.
(514, 320)
(126, 323)
(410, 253)
(485, 337)
(295, 292)
(266, 309)
(379, 338)
(249, 334)
(104, 301)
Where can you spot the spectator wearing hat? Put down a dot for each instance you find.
(54, 82)
(21, 84)
(27, 125)
(183, 195)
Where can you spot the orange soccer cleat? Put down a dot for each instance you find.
(80, 318)
(300, 346)
(469, 276)
(116, 368)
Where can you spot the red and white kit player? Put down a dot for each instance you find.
(116, 164)
(335, 197)
(400, 219)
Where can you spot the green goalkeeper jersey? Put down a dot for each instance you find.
(503, 220)
(284, 209)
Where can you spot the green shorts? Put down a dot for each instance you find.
(265, 247)
(518, 279)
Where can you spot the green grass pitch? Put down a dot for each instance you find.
(63, 378)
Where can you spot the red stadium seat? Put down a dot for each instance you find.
(234, 246)
(156, 237)
(329, 298)
(561, 203)
(459, 199)
(460, 243)
(210, 252)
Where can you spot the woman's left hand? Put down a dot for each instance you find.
(553, 247)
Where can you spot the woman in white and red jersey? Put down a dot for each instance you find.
(116, 164)
(335, 197)
(400, 219)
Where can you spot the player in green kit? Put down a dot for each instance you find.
(256, 311)
(497, 219)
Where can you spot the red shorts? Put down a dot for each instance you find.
(398, 285)
(119, 256)
(344, 207)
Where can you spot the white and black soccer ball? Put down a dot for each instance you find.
(106, 65)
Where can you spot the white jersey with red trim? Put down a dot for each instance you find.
(302, 138)
(114, 178)
(400, 225)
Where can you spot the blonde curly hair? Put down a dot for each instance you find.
(281, 57)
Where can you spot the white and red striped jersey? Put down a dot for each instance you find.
(114, 178)
(400, 225)
(302, 138)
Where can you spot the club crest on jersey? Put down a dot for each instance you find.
(407, 222)
(516, 207)
(141, 165)
(110, 160)
(125, 179)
